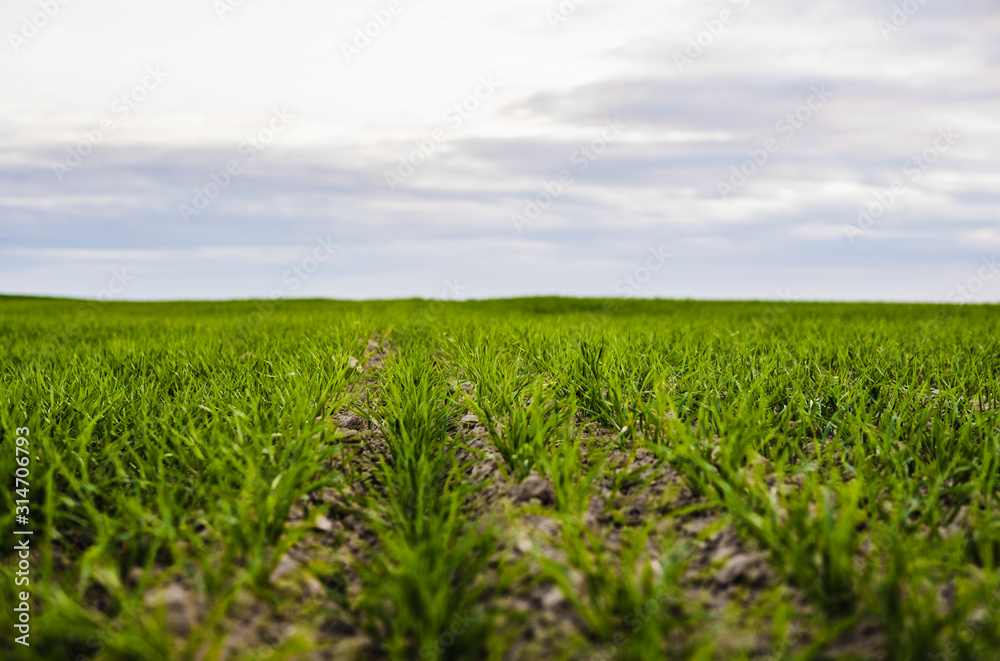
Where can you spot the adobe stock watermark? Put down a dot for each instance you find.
(122, 107)
(32, 25)
(118, 282)
(968, 290)
(975, 626)
(714, 27)
(900, 16)
(562, 12)
(428, 146)
(453, 290)
(634, 281)
(913, 170)
(365, 34)
(645, 614)
(627, 286)
(292, 280)
(89, 309)
(786, 128)
(460, 623)
(223, 7)
(778, 307)
(553, 189)
(302, 270)
(219, 180)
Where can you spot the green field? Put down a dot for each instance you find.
(527, 479)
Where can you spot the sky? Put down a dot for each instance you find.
(729, 149)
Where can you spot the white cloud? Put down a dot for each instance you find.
(686, 130)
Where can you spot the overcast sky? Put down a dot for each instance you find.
(229, 149)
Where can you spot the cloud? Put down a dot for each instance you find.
(686, 132)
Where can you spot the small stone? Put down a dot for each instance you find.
(352, 648)
(552, 599)
(285, 566)
(536, 487)
(313, 588)
(733, 569)
(696, 526)
(350, 420)
(323, 523)
(543, 524)
(178, 608)
(516, 604)
(744, 568)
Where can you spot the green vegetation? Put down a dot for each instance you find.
(538, 478)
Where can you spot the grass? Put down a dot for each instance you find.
(642, 480)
